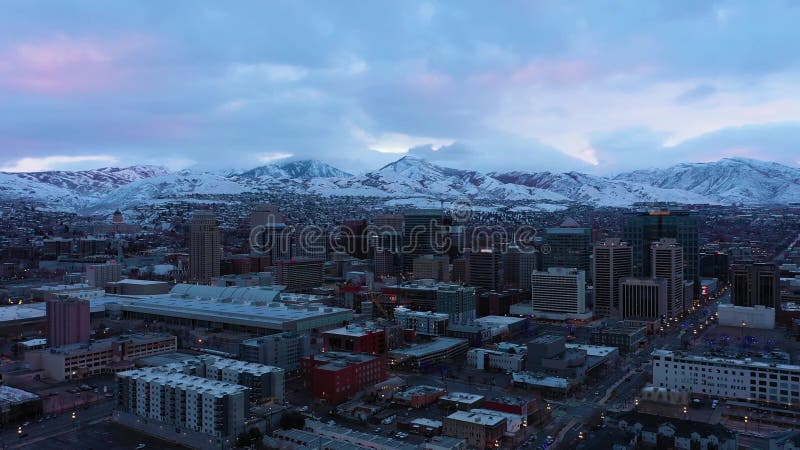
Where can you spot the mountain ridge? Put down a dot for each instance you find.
(726, 181)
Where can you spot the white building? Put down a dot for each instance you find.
(184, 402)
(424, 323)
(743, 379)
(759, 317)
(559, 294)
(485, 359)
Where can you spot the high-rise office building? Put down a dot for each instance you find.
(644, 228)
(98, 275)
(568, 245)
(559, 293)
(667, 263)
(205, 250)
(353, 238)
(422, 235)
(67, 321)
(612, 261)
(642, 298)
(518, 265)
(483, 268)
(755, 284)
(434, 267)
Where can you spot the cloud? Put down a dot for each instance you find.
(58, 163)
(697, 93)
(68, 65)
(267, 72)
(534, 85)
(270, 157)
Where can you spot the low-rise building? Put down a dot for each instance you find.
(477, 429)
(626, 338)
(423, 323)
(486, 359)
(742, 379)
(336, 377)
(461, 400)
(661, 432)
(356, 339)
(419, 396)
(758, 317)
(111, 355)
(426, 355)
(17, 405)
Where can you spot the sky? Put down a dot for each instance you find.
(596, 86)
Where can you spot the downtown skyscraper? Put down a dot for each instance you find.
(205, 250)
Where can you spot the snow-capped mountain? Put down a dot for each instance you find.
(595, 190)
(92, 182)
(726, 181)
(294, 170)
(172, 186)
(729, 180)
(411, 176)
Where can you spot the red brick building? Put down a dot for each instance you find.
(525, 407)
(356, 339)
(337, 377)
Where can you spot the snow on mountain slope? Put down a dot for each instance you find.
(726, 181)
(410, 176)
(92, 182)
(597, 190)
(14, 188)
(730, 180)
(177, 185)
(295, 170)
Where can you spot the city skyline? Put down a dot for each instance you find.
(547, 86)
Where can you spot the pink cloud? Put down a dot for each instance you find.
(66, 65)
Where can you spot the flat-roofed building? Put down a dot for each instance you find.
(75, 361)
(559, 293)
(642, 298)
(743, 379)
(480, 430)
(284, 350)
(186, 403)
(424, 355)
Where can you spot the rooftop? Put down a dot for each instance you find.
(462, 397)
(12, 395)
(594, 350)
(175, 379)
(477, 418)
(436, 345)
(352, 330)
(746, 362)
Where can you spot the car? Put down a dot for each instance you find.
(549, 439)
(140, 446)
(26, 424)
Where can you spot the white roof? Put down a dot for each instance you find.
(462, 397)
(179, 380)
(477, 418)
(554, 382)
